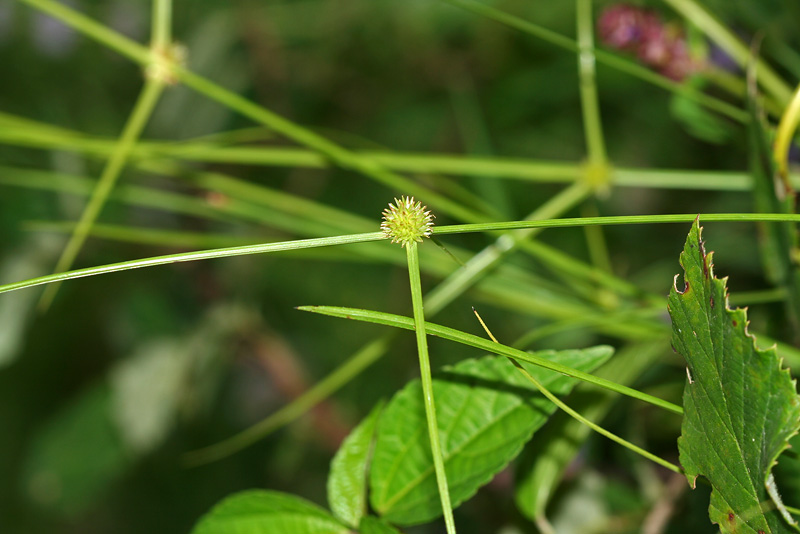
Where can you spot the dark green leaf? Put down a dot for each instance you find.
(268, 512)
(696, 119)
(487, 411)
(77, 454)
(740, 406)
(347, 483)
(787, 474)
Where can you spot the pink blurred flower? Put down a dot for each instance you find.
(640, 31)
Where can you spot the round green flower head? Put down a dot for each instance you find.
(406, 221)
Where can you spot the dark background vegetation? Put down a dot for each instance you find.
(410, 76)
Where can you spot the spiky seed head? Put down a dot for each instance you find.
(406, 221)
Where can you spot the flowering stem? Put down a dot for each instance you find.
(142, 110)
(427, 384)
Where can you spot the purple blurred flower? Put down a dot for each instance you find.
(722, 59)
(619, 26)
(640, 31)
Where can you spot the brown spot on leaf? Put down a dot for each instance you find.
(712, 302)
(761, 532)
(731, 516)
(735, 323)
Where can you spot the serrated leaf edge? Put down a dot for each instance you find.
(708, 272)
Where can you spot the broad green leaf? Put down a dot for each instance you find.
(486, 409)
(375, 525)
(268, 512)
(347, 482)
(740, 407)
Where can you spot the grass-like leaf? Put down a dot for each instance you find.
(256, 511)
(458, 336)
(740, 407)
(486, 410)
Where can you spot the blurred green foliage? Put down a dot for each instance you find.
(102, 395)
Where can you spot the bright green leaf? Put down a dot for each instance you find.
(268, 512)
(375, 525)
(347, 483)
(740, 407)
(487, 410)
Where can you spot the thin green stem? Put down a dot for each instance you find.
(454, 285)
(590, 107)
(292, 411)
(595, 241)
(616, 220)
(340, 156)
(161, 25)
(133, 128)
(575, 415)
(141, 54)
(597, 428)
(194, 256)
(93, 29)
(489, 257)
(785, 133)
(728, 41)
(376, 236)
(458, 336)
(606, 58)
(24, 132)
(427, 384)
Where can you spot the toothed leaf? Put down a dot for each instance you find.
(740, 407)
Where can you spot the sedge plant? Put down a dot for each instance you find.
(562, 292)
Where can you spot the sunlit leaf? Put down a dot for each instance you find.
(375, 525)
(487, 411)
(740, 407)
(268, 512)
